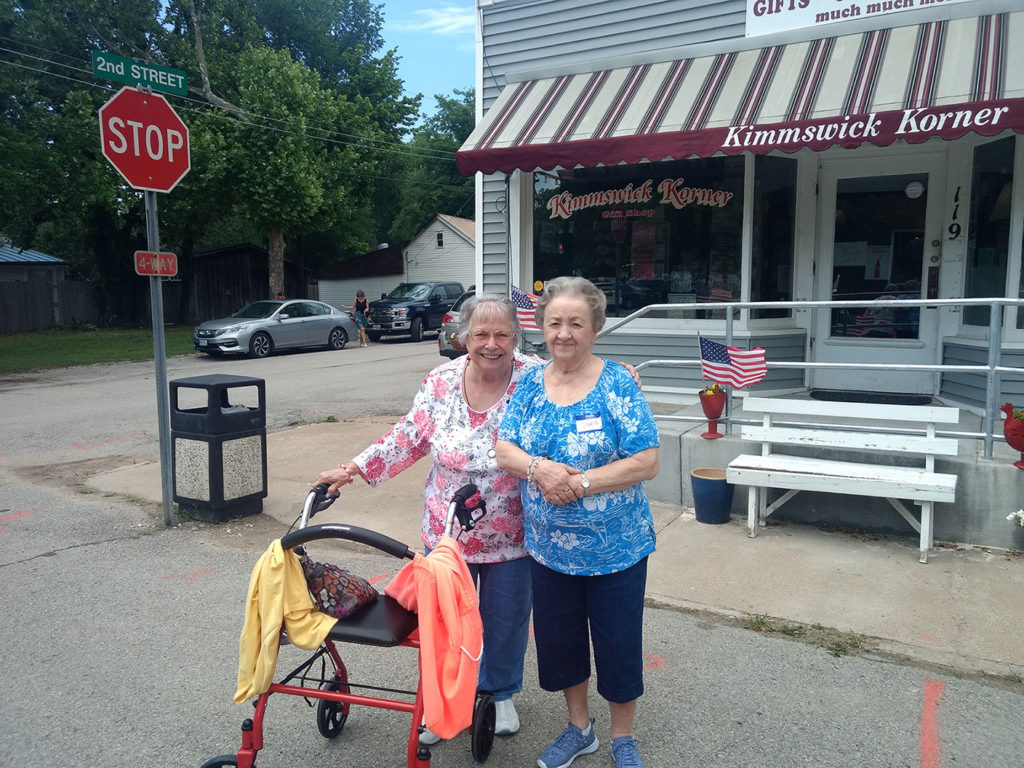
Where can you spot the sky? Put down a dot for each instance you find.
(435, 42)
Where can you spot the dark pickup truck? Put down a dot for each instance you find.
(412, 308)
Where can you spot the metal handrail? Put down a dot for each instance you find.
(992, 369)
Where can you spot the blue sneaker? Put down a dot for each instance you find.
(567, 747)
(625, 754)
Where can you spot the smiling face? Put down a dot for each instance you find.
(569, 329)
(491, 339)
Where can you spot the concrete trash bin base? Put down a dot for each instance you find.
(712, 495)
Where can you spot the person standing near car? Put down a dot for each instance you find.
(360, 310)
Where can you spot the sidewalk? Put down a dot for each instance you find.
(961, 610)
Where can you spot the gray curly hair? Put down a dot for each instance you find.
(576, 287)
(490, 305)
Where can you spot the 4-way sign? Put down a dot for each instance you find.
(153, 263)
(145, 140)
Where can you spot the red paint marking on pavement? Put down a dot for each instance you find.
(929, 727)
(927, 639)
(651, 661)
(383, 576)
(18, 514)
(190, 577)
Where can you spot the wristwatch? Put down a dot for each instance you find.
(585, 483)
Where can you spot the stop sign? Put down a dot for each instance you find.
(144, 139)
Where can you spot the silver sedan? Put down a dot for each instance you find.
(259, 328)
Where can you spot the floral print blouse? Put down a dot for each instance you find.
(604, 532)
(461, 442)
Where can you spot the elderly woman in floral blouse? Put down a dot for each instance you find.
(455, 418)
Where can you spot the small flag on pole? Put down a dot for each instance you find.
(526, 306)
(729, 365)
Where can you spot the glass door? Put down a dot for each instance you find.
(879, 239)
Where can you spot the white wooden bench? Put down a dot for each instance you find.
(866, 473)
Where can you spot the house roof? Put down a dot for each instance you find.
(467, 227)
(12, 255)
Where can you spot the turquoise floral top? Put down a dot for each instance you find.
(600, 533)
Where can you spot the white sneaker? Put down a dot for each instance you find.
(428, 738)
(506, 721)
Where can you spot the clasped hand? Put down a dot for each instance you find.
(558, 483)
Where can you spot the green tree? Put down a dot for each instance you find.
(279, 151)
(432, 183)
(294, 176)
(57, 193)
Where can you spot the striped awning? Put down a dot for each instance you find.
(943, 78)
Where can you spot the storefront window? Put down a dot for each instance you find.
(659, 233)
(771, 265)
(989, 227)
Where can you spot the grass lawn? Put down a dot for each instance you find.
(56, 348)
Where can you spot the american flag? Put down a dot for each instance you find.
(729, 365)
(866, 321)
(526, 305)
(715, 293)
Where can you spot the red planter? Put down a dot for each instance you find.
(713, 405)
(1013, 430)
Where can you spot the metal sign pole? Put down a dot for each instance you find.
(156, 300)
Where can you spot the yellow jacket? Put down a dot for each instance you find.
(277, 595)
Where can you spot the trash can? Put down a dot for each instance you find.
(219, 439)
(712, 495)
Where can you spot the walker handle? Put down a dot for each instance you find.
(349, 533)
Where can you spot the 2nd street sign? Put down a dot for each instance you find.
(160, 264)
(110, 66)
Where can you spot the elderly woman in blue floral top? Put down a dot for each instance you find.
(582, 438)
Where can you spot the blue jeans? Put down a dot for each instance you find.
(506, 598)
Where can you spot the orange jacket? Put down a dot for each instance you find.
(439, 588)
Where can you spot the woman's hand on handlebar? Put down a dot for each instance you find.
(335, 478)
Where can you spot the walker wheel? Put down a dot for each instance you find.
(331, 715)
(482, 728)
(224, 761)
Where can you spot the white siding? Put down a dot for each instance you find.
(338, 292)
(524, 38)
(424, 260)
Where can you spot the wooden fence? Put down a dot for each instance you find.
(34, 306)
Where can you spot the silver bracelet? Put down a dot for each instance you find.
(534, 461)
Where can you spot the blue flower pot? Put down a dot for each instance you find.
(712, 495)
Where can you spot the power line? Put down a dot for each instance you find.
(255, 125)
(361, 141)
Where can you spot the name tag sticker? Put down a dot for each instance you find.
(588, 424)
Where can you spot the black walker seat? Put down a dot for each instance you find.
(384, 622)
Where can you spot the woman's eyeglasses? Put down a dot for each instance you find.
(500, 337)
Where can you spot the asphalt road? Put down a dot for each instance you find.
(120, 638)
(94, 411)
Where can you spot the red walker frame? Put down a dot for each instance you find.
(383, 623)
